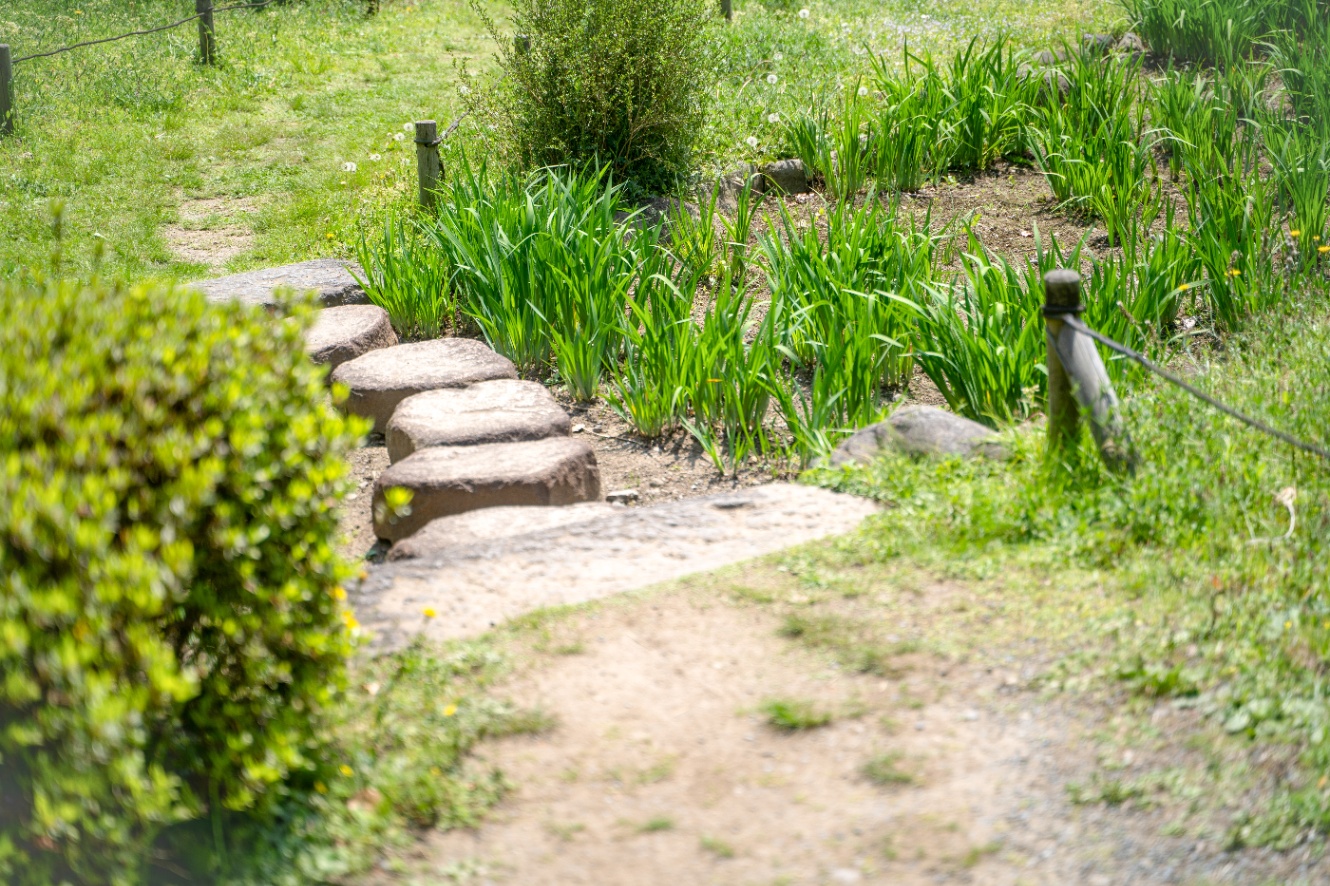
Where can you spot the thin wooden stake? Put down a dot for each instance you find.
(727, 9)
(207, 35)
(6, 90)
(1078, 381)
(429, 167)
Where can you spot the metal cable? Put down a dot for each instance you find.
(183, 21)
(1125, 351)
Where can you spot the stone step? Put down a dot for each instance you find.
(344, 333)
(447, 480)
(329, 278)
(475, 585)
(384, 378)
(500, 411)
(493, 523)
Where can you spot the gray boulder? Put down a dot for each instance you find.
(919, 430)
(344, 333)
(328, 278)
(786, 177)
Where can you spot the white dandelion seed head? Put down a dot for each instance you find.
(464, 89)
(803, 13)
(772, 78)
(348, 166)
(773, 118)
(863, 138)
(408, 127)
(751, 141)
(397, 136)
(778, 56)
(375, 157)
(863, 90)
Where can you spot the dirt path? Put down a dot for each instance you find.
(664, 770)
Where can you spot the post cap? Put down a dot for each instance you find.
(1062, 288)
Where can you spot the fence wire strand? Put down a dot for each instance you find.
(183, 21)
(1196, 392)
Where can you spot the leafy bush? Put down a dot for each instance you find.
(606, 82)
(168, 584)
(408, 279)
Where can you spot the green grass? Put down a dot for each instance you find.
(884, 770)
(794, 714)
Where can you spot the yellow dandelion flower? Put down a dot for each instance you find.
(346, 770)
(429, 612)
(1323, 249)
(450, 710)
(1316, 237)
(349, 618)
(1183, 287)
(320, 787)
(1295, 233)
(339, 593)
(330, 236)
(1287, 625)
(1235, 273)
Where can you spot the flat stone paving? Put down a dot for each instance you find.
(500, 411)
(447, 480)
(329, 278)
(475, 586)
(489, 524)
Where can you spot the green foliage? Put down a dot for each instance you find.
(1204, 31)
(617, 83)
(407, 279)
(884, 770)
(169, 472)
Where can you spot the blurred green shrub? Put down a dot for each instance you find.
(170, 624)
(617, 83)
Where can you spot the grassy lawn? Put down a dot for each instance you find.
(177, 171)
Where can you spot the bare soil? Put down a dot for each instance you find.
(663, 768)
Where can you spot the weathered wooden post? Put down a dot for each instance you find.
(207, 36)
(727, 9)
(429, 167)
(6, 90)
(1077, 379)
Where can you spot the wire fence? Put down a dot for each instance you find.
(203, 14)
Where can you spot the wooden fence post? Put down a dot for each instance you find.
(429, 167)
(6, 90)
(207, 36)
(1077, 380)
(727, 9)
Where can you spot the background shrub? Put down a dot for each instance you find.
(169, 618)
(615, 83)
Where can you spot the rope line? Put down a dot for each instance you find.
(183, 21)
(1196, 392)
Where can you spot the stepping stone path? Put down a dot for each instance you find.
(382, 379)
(476, 583)
(500, 411)
(447, 480)
(504, 512)
(329, 278)
(345, 333)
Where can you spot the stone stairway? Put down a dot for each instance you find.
(505, 512)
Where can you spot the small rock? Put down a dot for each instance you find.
(786, 177)
(1130, 44)
(655, 482)
(622, 496)
(970, 715)
(577, 429)
(1047, 57)
(919, 430)
(1100, 43)
(846, 875)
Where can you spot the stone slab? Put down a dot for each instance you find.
(489, 524)
(448, 480)
(786, 177)
(346, 332)
(474, 587)
(329, 278)
(919, 430)
(384, 378)
(499, 411)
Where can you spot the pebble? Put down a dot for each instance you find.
(577, 429)
(971, 714)
(622, 496)
(656, 483)
(845, 875)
